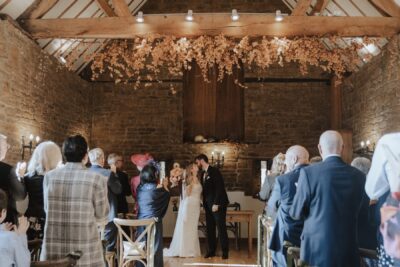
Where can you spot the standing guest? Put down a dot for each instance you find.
(377, 186)
(139, 160)
(315, 160)
(46, 157)
(97, 159)
(215, 202)
(75, 200)
(277, 168)
(11, 181)
(368, 228)
(153, 202)
(328, 199)
(13, 244)
(285, 228)
(118, 161)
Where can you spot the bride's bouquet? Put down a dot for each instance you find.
(176, 174)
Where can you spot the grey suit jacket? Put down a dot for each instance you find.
(114, 189)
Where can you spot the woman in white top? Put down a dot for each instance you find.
(185, 242)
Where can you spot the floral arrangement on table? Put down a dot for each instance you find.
(146, 58)
(176, 175)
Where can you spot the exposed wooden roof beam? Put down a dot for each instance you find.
(212, 24)
(106, 8)
(319, 6)
(301, 8)
(37, 9)
(388, 6)
(121, 8)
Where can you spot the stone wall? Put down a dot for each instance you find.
(371, 97)
(37, 94)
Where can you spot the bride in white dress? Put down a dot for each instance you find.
(185, 242)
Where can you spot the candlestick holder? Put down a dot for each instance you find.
(29, 146)
(219, 160)
(366, 148)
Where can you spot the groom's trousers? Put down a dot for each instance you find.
(217, 220)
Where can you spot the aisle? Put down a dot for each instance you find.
(236, 259)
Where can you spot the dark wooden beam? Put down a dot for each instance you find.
(388, 6)
(106, 8)
(319, 6)
(37, 9)
(301, 8)
(212, 24)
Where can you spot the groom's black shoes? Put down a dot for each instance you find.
(225, 256)
(209, 255)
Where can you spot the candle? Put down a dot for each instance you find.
(368, 143)
(37, 139)
(362, 144)
(162, 170)
(31, 137)
(263, 171)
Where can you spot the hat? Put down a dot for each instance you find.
(141, 160)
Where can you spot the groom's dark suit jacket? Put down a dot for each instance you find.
(214, 192)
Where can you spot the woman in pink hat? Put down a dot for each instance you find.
(140, 160)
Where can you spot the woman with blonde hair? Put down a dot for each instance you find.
(185, 242)
(277, 168)
(46, 157)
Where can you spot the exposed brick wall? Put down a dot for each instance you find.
(371, 97)
(37, 94)
(277, 115)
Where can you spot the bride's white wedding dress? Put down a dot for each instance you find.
(185, 242)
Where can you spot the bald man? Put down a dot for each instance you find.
(328, 199)
(285, 228)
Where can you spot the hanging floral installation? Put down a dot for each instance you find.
(148, 57)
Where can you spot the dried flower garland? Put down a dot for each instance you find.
(146, 58)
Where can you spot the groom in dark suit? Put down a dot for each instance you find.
(215, 202)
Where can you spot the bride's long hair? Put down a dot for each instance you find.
(191, 174)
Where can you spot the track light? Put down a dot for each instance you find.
(139, 17)
(235, 15)
(278, 16)
(189, 16)
(62, 59)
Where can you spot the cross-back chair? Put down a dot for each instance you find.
(142, 248)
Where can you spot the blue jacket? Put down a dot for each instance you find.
(114, 189)
(328, 199)
(285, 228)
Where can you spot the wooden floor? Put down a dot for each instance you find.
(237, 258)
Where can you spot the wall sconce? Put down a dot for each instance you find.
(366, 148)
(28, 146)
(217, 159)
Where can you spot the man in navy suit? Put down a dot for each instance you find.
(328, 199)
(97, 159)
(285, 228)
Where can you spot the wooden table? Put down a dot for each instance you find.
(239, 216)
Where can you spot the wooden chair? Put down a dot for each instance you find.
(70, 260)
(234, 227)
(142, 249)
(35, 246)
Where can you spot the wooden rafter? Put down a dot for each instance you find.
(121, 8)
(212, 24)
(301, 8)
(106, 8)
(388, 6)
(37, 9)
(319, 6)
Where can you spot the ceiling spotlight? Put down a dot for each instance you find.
(235, 15)
(62, 59)
(139, 17)
(278, 16)
(189, 16)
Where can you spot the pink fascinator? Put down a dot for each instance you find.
(141, 160)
